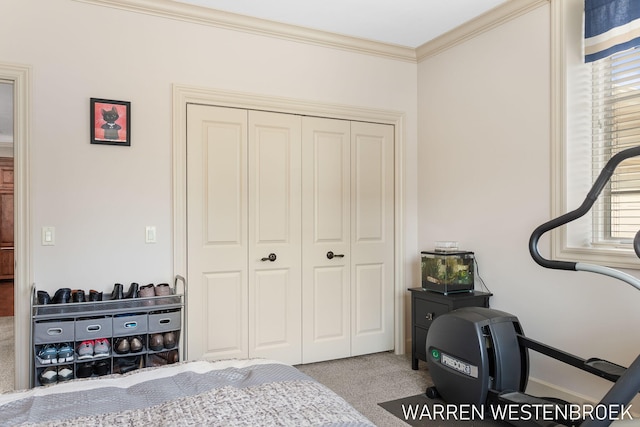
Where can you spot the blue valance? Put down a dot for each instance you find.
(610, 26)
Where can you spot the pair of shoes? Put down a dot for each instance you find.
(125, 345)
(93, 348)
(164, 358)
(159, 341)
(100, 368)
(150, 290)
(54, 374)
(162, 289)
(118, 291)
(122, 365)
(55, 353)
(62, 296)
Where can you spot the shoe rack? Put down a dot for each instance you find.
(92, 339)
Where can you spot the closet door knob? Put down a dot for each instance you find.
(331, 255)
(272, 257)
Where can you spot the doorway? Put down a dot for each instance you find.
(15, 82)
(7, 341)
(6, 220)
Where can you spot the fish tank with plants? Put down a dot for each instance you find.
(448, 272)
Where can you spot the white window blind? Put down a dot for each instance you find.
(616, 126)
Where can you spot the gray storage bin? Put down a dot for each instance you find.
(90, 329)
(53, 332)
(164, 322)
(129, 325)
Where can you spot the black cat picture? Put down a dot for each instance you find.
(110, 122)
(111, 128)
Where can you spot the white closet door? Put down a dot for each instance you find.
(275, 230)
(245, 202)
(372, 238)
(217, 232)
(326, 228)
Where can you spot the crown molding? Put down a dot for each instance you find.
(231, 21)
(485, 22)
(235, 22)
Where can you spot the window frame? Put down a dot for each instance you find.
(571, 174)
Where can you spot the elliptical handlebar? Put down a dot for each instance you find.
(636, 244)
(592, 196)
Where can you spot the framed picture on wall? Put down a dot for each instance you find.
(110, 122)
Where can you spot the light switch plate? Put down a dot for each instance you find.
(48, 236)
(150, 234)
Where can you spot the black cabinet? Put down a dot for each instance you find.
(427, 305)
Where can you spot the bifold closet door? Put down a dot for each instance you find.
(348, 239)
(290, 247)
(217, 230)
(243, 213)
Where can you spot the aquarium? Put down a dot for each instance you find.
(447, 272)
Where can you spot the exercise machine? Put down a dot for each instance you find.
(480, 356)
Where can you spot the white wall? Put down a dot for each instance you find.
(100, 198)
(484, 180)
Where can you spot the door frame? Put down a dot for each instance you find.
(20, 75)
(184, 95)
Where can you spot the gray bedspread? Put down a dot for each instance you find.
(229, 393)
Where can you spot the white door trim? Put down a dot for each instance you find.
(183, 95)
(20, 75)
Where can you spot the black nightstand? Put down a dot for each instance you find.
(427, 305)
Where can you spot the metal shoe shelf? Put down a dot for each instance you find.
(75, 322)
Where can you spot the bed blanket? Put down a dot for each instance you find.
(201, 393)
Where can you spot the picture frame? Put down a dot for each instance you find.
(110, 122)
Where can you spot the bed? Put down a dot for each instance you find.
(198, 393)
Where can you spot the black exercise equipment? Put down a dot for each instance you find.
(479, 356)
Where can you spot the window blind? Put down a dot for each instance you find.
(616, 126)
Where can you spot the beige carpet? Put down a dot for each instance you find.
(6, 354)
(365, 381)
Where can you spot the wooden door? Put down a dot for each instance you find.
(326, 229)
(274, 237)
(217, 232)
(372, 238)
(6, 219)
